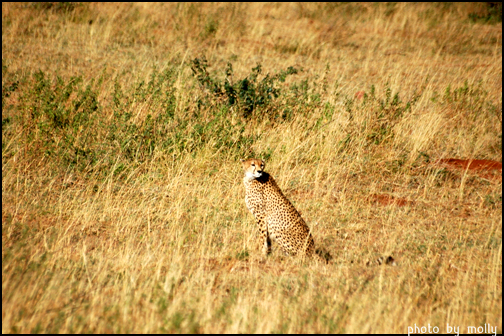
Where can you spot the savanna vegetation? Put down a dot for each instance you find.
(122, 197)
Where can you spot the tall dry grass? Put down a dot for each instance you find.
(127, 214)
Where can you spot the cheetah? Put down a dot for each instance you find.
(275, 215)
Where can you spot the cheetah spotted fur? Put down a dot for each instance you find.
(275, 215)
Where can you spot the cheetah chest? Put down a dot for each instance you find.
(265, 200)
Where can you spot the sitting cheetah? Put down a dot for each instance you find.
(276, 217)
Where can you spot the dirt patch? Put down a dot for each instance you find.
(476, 165)
(359, 94)
(387, 200)
(484, 168)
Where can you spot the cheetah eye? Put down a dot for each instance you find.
(253, 165)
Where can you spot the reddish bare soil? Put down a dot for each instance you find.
(484, 168)
(359, 94)
(473, 165)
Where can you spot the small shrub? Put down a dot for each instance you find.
(249, 93)
(385, 112)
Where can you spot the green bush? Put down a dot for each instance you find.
(249, 94)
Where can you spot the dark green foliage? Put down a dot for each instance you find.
(138, 140)
(385, 111)
(471, 100)
(471, 103)
(249, 93)
(491, 14)
(55, 116)
(242, 255)
(65, 122)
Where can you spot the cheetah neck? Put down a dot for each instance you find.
(248, 179)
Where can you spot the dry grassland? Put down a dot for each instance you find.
(122, 197)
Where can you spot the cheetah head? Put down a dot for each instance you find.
(253, 168)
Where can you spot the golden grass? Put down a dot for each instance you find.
(169, 246)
